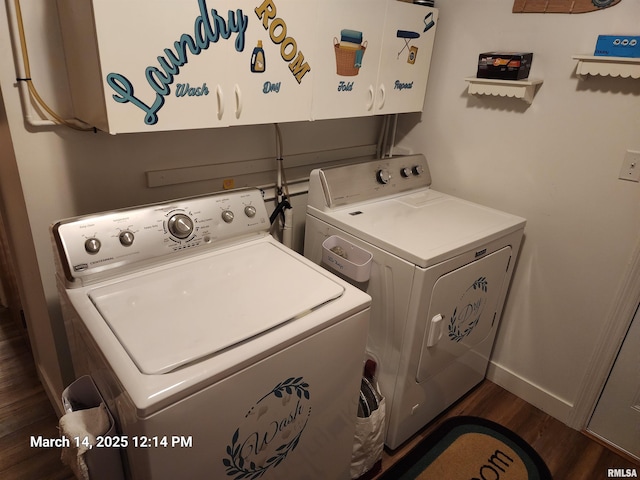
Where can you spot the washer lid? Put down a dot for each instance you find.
(178, 315)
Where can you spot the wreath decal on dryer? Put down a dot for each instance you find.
(466, 318)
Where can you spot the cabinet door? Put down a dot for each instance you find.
(408, 38)
(156, 74)
(348, 44)
(271, 80)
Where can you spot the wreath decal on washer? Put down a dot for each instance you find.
(270, 431)
(467, 313)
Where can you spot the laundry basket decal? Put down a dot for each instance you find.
(349, 52)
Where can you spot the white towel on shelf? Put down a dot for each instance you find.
(82, 427)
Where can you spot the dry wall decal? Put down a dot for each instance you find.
(277, 28)
(561, 6)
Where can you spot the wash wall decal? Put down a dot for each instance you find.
(209, 27)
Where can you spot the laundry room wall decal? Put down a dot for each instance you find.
(270, 431)
(209, 27)
(277, 28)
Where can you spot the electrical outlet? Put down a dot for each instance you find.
(631, 166)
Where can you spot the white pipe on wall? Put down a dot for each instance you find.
(29, 113)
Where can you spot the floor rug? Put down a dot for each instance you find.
(468, 448)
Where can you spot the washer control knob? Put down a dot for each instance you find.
(227, 216)
(92, 246)
(250, 211)
(180, 225)
(405, 172)
(417, 169)
(383, 176)
(126, 238)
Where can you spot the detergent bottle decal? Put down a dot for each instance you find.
(257, 59)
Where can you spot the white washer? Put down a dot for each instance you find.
(440, 272)
(220, 352)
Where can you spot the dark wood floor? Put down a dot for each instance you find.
(25, 411)
(569, 454)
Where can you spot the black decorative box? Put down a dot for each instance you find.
(504, 65)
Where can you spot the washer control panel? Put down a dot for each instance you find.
(100, 243)
(347, 184)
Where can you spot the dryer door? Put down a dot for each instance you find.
(462, 315)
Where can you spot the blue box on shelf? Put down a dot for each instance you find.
(618, 46)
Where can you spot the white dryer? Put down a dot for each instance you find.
(439, 277)
(220, 352)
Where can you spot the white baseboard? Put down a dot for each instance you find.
(50, 390)
(531, 393)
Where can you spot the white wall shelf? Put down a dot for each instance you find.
(612, 66)
(523, 89)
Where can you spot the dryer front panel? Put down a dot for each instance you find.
(462, 314)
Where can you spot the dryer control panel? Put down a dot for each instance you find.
(103, 242)
(348, 184)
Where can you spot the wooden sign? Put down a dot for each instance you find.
(561, 6)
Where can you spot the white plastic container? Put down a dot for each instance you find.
(102, 463)
(346, 258)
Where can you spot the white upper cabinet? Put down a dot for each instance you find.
(155, 65)
(374, 57)
(272, 79)
(408, 37)
(349, 42)
(137, 67)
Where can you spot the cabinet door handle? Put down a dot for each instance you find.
(371, 98)
(220, 97)
(238, 94)
(383, 97)
(435, 330)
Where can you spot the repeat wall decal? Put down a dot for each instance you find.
(561, 6)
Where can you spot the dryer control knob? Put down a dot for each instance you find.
(417, 170)
(92, 245)
(227, 216)
(383, 176)
(405, 172)
(180, 225)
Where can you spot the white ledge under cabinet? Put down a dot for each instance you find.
(613, 66)
(524, 89)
